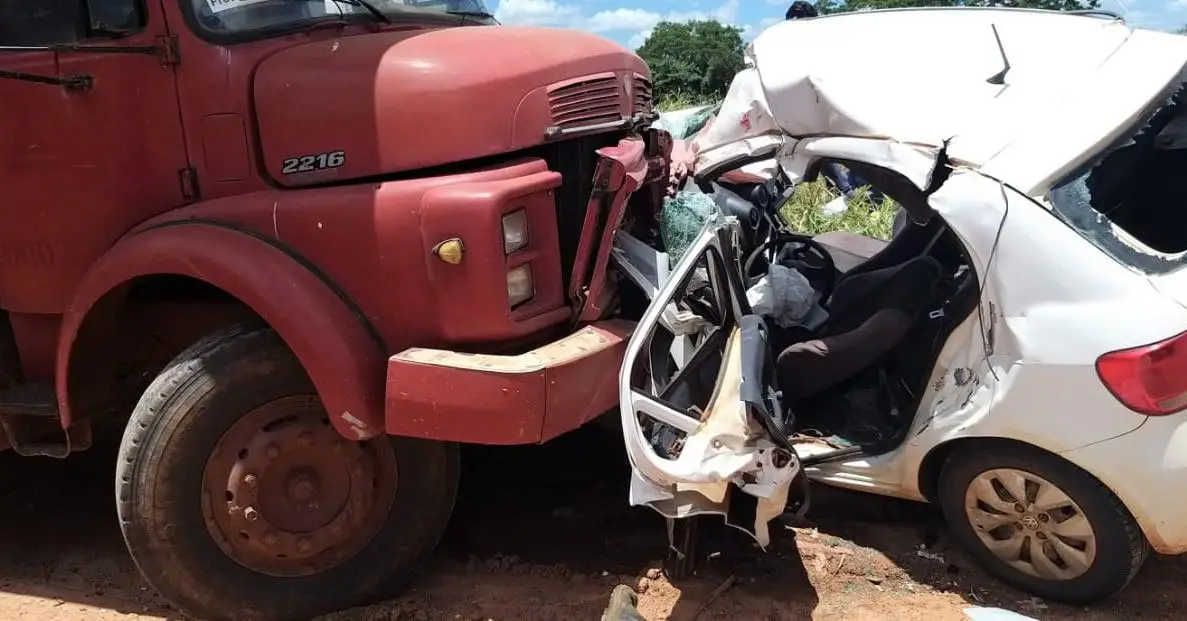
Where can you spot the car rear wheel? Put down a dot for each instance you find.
(1040, 523)
(239, 500)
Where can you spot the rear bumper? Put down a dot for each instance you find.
(1147, 470)
(523, 399)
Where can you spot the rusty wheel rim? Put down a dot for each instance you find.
(285, 495)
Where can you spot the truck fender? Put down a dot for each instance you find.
(345, 360)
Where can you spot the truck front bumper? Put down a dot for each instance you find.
(523, 399)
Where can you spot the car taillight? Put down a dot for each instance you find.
(1151, 379)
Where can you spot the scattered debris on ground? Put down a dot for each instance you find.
(554, 546)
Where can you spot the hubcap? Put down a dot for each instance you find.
(285, 495)
(1031, 524)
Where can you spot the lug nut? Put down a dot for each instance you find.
(1018, 525)
(1043, 517)
(1019, 508)
(250, 514)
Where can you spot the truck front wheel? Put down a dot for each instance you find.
(238, 499)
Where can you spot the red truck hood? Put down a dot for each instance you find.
(388, 102)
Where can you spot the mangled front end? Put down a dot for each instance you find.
(700, 415)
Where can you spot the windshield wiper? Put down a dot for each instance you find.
(164, 51)
(473, 14)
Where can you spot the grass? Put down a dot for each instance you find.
(804, 211)
(677, 101)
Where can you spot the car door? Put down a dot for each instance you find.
(700, 410)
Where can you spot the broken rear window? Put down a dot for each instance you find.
(1129, 200)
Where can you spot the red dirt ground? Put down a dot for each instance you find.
(544, 533)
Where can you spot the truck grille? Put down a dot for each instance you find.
(596, 99)
(586, 101)
(576, 160)
(642, 91)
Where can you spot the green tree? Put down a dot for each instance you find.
(839, 6)
(693, 60)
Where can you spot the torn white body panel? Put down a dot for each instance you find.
(726, 450)
(915, 162)
(723, 449)
(742, 129)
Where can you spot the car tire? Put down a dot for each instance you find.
(333, 525)
(1089, 517)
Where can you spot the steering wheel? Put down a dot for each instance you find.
(806, 255)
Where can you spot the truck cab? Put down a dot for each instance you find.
(301, 250)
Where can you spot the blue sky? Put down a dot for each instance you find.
(629, 21)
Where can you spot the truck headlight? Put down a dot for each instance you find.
(519, 285)
(515, 230)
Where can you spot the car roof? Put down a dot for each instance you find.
(923, 75)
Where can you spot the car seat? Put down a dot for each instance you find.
(870, 313)
(873, 306)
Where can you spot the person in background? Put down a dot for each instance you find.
(801, 10)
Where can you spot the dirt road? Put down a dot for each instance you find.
(543, 533)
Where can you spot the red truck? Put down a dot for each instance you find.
(302, 250)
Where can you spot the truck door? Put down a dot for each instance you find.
(90, 138)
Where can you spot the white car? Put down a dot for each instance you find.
(1018, 357)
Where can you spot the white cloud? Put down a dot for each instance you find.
(630, 25)
(537, 13)
(552, 13)
(620, 19)
(638, 39)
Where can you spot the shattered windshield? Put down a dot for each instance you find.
(229, 18)
(1126, 201)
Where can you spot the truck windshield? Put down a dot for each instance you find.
(245, 18)
(1126, 199)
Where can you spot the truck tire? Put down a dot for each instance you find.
(238, 500)
(1067, 538)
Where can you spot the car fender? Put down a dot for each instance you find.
(343, 358)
